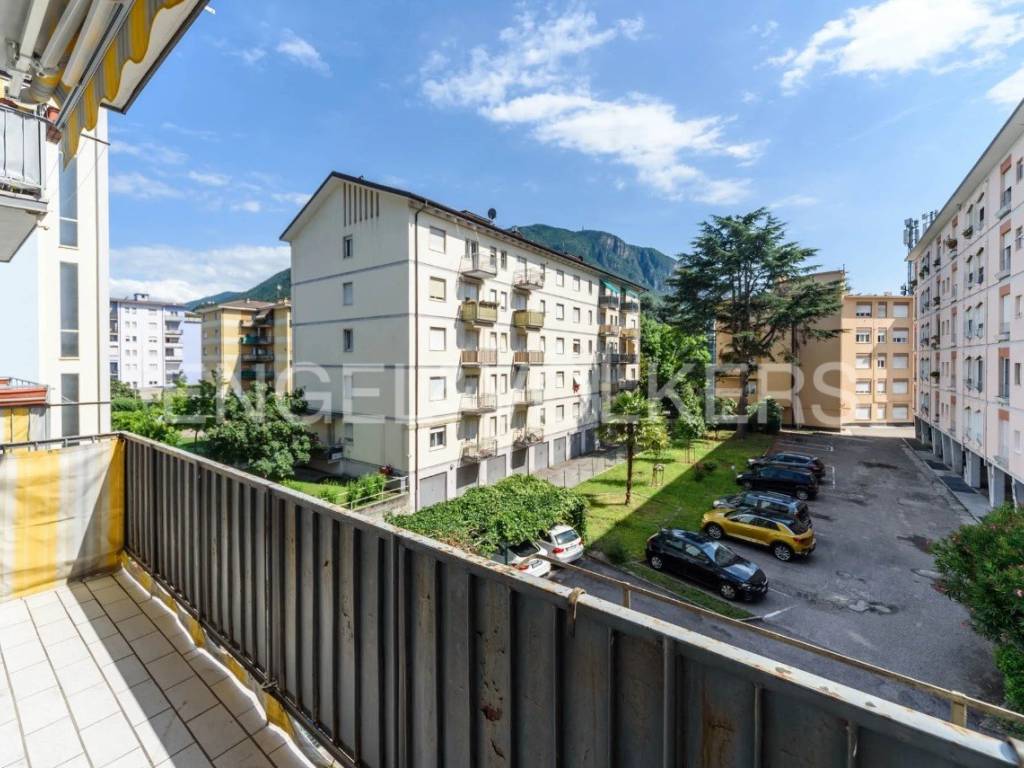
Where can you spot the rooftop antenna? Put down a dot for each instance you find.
(911, 233)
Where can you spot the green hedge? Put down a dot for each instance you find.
(510, 511)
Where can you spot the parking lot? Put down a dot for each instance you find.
(868, 590)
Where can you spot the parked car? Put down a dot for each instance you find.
(796, 482)
(767, 501)
(782, 533)
(697, 558)
(791, 460)
(523, 557)
(561, 543)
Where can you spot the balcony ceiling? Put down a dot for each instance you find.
(80, 54)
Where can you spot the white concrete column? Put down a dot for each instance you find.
(936, 437)
(1018, 493)
(996, 485)
(972, 469)
(956, 462)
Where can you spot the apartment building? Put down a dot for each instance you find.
(966, 274)
(148, 340)
(54, 273)
(864, 375)
(446, 347)
(246, 341)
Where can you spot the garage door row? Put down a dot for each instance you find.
(434, 489)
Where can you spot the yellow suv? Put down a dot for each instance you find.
(785, 535)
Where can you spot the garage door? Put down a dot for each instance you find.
(466, 477)
(559, 451)
(519, 462)
(433, 489)
(540, 456)
(589, 441)
(495, 469)
(575, 445)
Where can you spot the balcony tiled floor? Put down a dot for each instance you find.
(97, 674)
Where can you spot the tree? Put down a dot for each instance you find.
(196, 406)
(148, 420)
(634, 422)
(743, 278)
(677, 363)
(261, 432)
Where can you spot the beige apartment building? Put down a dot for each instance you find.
(862, 376)
(445, 347)
(246, 341)
(966, 273)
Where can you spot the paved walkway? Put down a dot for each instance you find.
(99, 675)
(571, 473)
(974, 501)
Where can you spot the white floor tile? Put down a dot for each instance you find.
(142, 701)
(92, 705)
(122, 609)
(192, 757)
(24, 655)
(110, 595)
(289, 757)
(55, 744)
(67, 652)
(124, 673)
(41, 709)
(151, 646)
(270, 738)
(31, 680)
(79, 676)
(11, 749)
(252, 719)
(41, 598)
(206, 667)
(191, 697)
(134, 759)
(234, 697)
(13, 612)
(57, 632)
(135, 627)
(164, 735)
(50, 612)
(244, 755)
(7, 711)
(17, 634)
(110, 649)
(97, 629)
(100, 582)
(216, 731)
(80, 613)
(169, 670)
(109, 739)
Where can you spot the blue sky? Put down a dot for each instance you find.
(640, 119)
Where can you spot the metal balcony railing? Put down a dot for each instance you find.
(608, 301)
(479, 448)
(22, 138)
(479, 266)
(528, 279)
(533, 396)
(629, 333)
(479, 403)
(258, 357)
(629, 304)
(528, 357)
(528, 436)
(608, 329)
(478, 357)
(528, 318)
(478, 312)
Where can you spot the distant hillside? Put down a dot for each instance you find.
(647, 266)
(265, 291)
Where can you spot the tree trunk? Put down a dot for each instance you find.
(630, 445)
(741, 405)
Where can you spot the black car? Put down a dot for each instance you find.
(768, 502)
(697, 558)
(790, 460)
(796, 482)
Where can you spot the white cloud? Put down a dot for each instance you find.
(192, 133)
(293, 198)
(905, 35)
(528, 80)
(157, 154)
(141, 187)
(248, 206)
(302, 52)
(183, 274)
(1009, 91)
(209, 179)
(251, 55)
(749, 97)
(765, 30)
(795, 201)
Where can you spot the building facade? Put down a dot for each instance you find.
(247, 341)
(864, 375)
(54, 286)
(966, 274)
(147, 341)
(454, 351)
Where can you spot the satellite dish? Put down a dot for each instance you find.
(492, 214)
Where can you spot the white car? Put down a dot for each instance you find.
(562, 543)
(523, 557)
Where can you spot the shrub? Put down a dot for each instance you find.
(515, 509)
(1010, 660)
(365, 489)
(617, 552)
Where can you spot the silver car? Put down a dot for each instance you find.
(523, 557)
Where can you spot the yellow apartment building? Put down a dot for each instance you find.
(246, 341)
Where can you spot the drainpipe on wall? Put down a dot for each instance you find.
(416, 359)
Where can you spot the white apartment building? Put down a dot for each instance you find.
(54, 279)
(147, 341)
(452, 350)
(967, 274)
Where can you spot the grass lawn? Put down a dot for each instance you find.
(198, 447)
(331, 492)
(680, 501)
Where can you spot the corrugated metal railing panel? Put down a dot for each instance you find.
(399, 651)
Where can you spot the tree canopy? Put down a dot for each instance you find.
(634, 421)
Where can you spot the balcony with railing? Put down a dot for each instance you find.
(528, 357)
(528, 318)
(257, 357)
(476, 358)
(479, 448)
(479, 266)
(478, 312)
(527, 436)
(528, 279)
(478, 403)
(22, 177)
(624, 385)
(369, 645)
(608, 329)
(608, 301)
(252, 340)
(629, 304)
(629, 333)
(526, 397)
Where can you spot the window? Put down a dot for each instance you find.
(576, 315)
(863, 361)
(438, 289)
(576, 410)
(504, 342)
(68, 202)
(900, 413)
(575, 282)
(900, 386)
(880, 361)
(437, 340)
(863, 387)
(559, 278)
(346, 294)
(69, 401)
(68, 309)
(559, 311)
(438, 437)
(899, 362)
(1005, 252)
(863, 310)
(560, 412)
(883, 309)
(1004, 377)
(863, 336)
(348, 433)
(880, 386)
(1016, 374)
(438, 240)
(880, 412)
(900, 310)
(438, 388)
(863, 413)
(590, 317)
(900, 336)
(1019, 237)
(504, 300)
(576, 346)
(347, 344)
(880, 338)
(346, 247)
(504, 259)
(560, 379)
